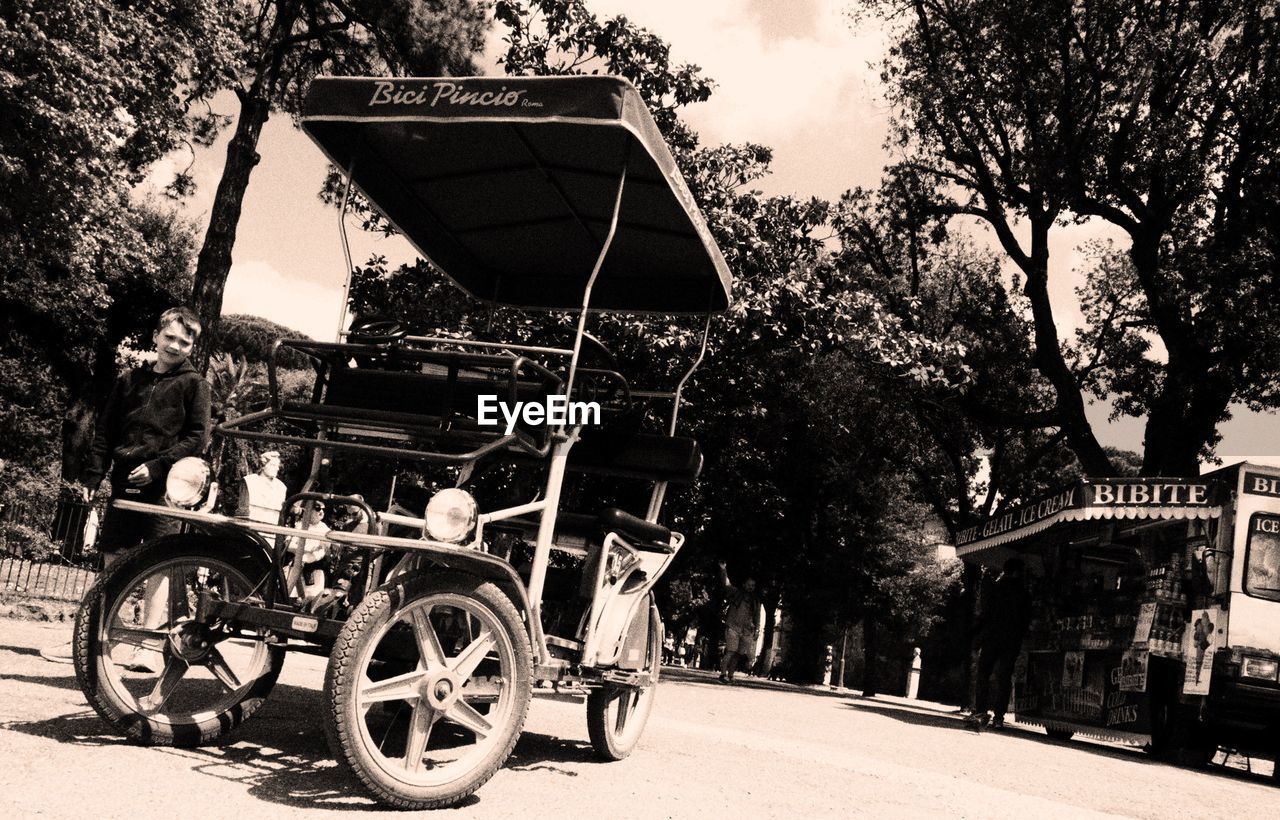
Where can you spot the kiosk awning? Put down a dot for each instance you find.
(1094, 499)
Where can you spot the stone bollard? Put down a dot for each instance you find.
(913, 679)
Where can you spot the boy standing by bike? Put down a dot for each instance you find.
(157, 414)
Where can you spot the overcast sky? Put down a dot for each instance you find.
(796, 76)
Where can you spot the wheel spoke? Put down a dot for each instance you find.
(221, 670)
(428, 641)
(177, 595)
(424, 717)
(625, 700)
(400, 687)
(465, 715)
(174, 669)
(469, 658)
(141, 638)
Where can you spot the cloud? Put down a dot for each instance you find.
(773, 83)
(806, 86)
(259, 289)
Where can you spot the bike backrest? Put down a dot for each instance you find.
(629, 454)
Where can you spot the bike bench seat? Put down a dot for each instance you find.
(646, 456)
(584, 530)
(417, 400)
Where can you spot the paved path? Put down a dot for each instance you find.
(758, 750)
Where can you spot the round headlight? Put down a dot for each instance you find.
(187, 482)
(450, 516)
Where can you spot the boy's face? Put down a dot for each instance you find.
(173, 345)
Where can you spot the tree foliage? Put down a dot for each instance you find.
(83, 267)
(785, 495)
(557, 37)
(1159, 117)
(284, 44)
(252, 338)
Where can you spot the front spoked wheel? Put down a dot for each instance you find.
(427, 689)
(149, 667)
(616, 714)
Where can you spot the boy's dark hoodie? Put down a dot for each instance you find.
(151, 418)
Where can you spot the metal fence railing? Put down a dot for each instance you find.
(46, 544)
(44, 579)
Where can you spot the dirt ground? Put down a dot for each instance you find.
(753, 750)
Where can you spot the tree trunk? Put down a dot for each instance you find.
(214, 263)
(1049, 360)
(1182, 420)
(85, 400)
(869, 657)
(77, 433)
(1197, 388)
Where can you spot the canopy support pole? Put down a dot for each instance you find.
(659, 493)
(560, 453)
(346, 250)
(702, 352)
(591, 282)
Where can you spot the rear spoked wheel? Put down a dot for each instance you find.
(427, 689)
(617, 714)
(149, 668)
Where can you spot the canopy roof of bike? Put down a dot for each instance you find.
(508, 185)
(1131, 499)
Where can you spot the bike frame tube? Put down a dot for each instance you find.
(555, 351)
(656, 498)
(546, 532)
(346, 249)
(415, 546)
(560, 452)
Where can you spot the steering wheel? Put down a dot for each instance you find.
(609, 361)
(375, 330)
(601, 386)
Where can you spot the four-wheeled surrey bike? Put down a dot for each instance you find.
(538, 193)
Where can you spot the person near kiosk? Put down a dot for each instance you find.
(1000, 627)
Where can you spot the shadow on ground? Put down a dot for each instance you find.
(20, 650)
(683, 674)
(61, 682)
(924, 716)
(280, 754)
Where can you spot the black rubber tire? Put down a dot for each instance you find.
(611, 705)
(1060, 734)
(99, 677)
(357, 649)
